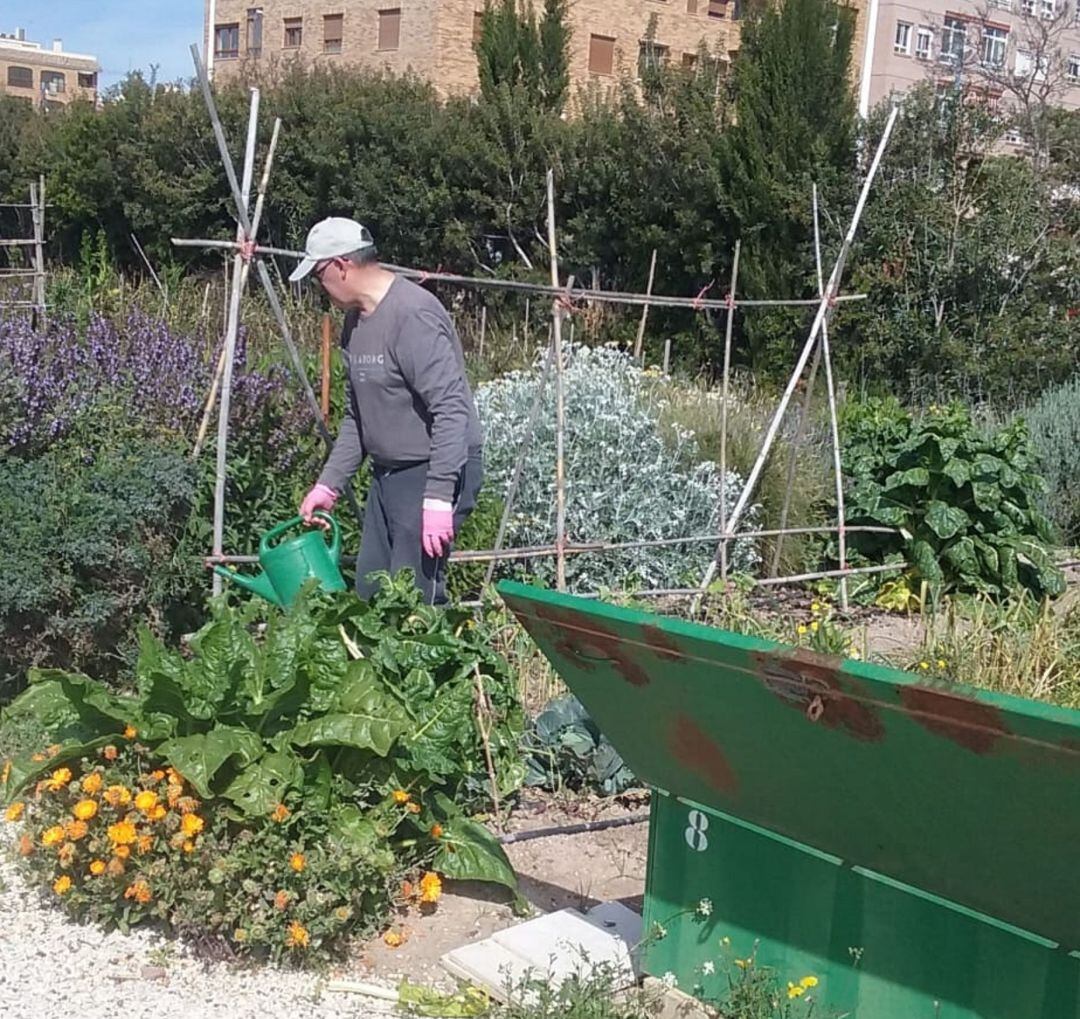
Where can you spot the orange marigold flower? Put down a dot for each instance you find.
(139, 891)
(116, 867)
(14, 812)
(117, 796)
(85, 809)
(37, 758)
(66, 854)
(297, 936)
(130, 732)
(400, 796)
(175, 778)
(158, 775)
(97, 867)
(281, 900)
(123, 852)
(430, 887)
(158, 813)
(413, 808)
(191, 825)
(122, 833)
(281, 812)
(26, 845)
(189, 847)
(62, 885)
(52, 836)
(436, 831)
(407, 890)
(92, 783)
(76, 830)
(297, 862)
(394, 939)
(109, 752)
(146, 801)
(58, 780)
(145, 843)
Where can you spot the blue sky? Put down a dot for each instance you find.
(123, 34)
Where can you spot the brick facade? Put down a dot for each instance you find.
(46, 77)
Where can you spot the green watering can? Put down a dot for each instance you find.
(289, 564)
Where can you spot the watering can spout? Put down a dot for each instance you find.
(258, 583)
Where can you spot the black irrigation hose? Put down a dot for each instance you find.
(573, 829)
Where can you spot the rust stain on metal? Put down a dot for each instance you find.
(698, 752)
(595, 641)
(662, 643)
(970, 723)
(813, 684)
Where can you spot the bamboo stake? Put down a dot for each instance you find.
(326, 368)
(560, 408)
(824, 309)
(833, 422)
(645, 309)
(724, 396)
(667, 355)
(39, 251)
(483, 329)
(483, 716)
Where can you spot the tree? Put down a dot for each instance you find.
(794, 124)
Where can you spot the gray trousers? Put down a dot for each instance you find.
(393, 516)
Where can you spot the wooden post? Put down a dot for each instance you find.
(560, 407)
(645, 309)
(326, 368)
(667, 355)
(724, 410)
(483, 329)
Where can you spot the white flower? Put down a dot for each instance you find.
(704, 907)
(708, 968)
(659, 931)
(668, 979)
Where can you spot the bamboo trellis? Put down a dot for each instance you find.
(35, 244)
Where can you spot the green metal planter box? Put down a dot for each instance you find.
(913, 846)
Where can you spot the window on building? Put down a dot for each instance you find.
(254, 31)
(1027, 7)
(53, 82)
(87, 80)
(716, 8)
(601, 54)
(226, 41)
(1027, 65)
(20, 77)
(651, 56)
(691, 6)
(477, 26)
(1072, 67)
(294, 33)
(1047, 8)
(924, 43)
(953, 40)
(1004, 5)
(333, 32)
(689, 61)
(1014, 136)
(994, 43)
(390, 29)
(902, 40)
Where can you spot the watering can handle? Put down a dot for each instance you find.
(276, 532)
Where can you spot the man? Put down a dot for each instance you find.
(408, 407)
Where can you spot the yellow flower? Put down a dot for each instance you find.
(62, 885)
(52, 836)
(109, 752)
(158, 813)
(800, 629)
(158, 775)
(815, 626)
(188, 847)
(146, 801)
(794, 990)
(941, 663)
(122, 833)
(85, 809)
(297, 936)
(808, 982)
(924, 665)
(14, 812)
(130, 732)
(97, 867)
(393, 939)
(815, 607)
(117, 796)
(123, 852)
(297, 862)
(281, 812)
(58, 780)
(145, 844)
(400, 796)
(742, 963)
(139, 891)
(92, 783)
(430, 887)
(175, 778)
(239, 935)
(76, 830)
(191, 825)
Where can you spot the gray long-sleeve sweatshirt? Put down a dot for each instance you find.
(406, 395)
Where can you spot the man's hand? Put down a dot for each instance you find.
(438, 527)
(319, 498)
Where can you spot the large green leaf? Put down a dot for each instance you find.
(916, 477)
(375, 729)
(469, 852)
(946, 521)
(957, 471)
(961, 556)
(199, 757)
(99, 711)
(925, 561)
(261, 786)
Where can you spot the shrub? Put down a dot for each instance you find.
(966, 502)
(1054, 423)
(623, 480)
(347, 735)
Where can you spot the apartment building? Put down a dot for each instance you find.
(435, 38)
(997, 47)
(49, 77)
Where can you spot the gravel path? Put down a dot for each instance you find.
(53, 968)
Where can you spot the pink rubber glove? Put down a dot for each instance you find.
(320, 497)
(438, 527)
